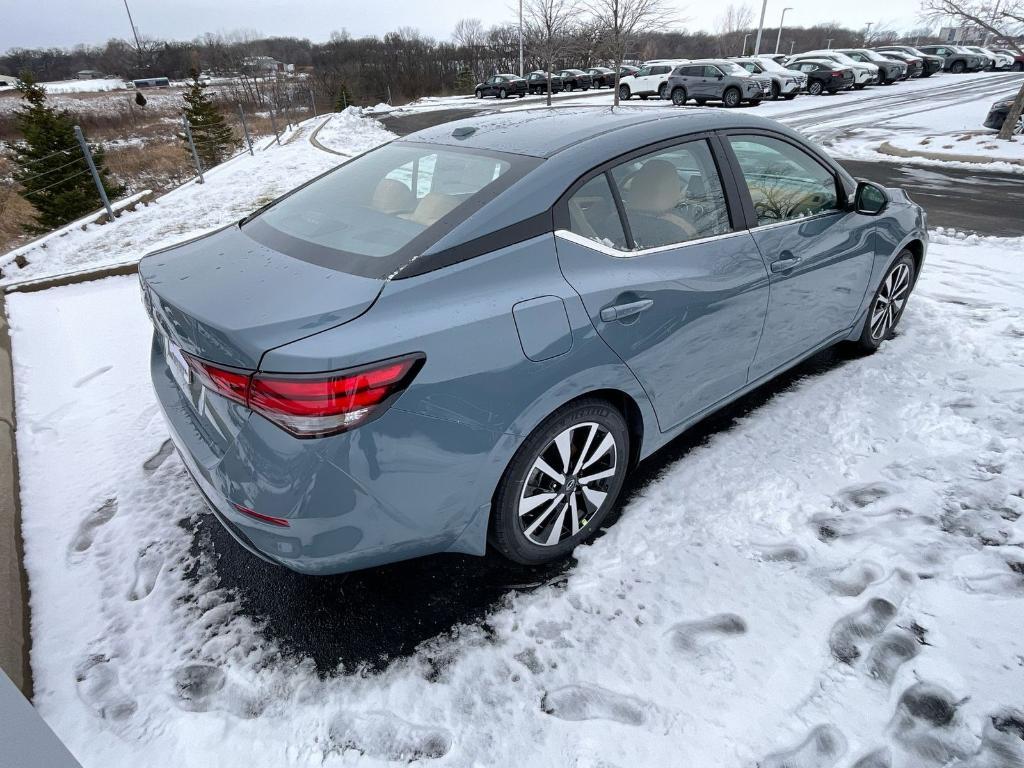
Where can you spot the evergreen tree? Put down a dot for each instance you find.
(213, 137)
(344, 99)
(465, 81)
(50, 167)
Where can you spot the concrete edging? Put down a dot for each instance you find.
(15, 635)
(886, 148)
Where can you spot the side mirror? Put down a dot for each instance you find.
(870, 199)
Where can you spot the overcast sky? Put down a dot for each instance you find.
(45, 23)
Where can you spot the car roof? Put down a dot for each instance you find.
(545, 131)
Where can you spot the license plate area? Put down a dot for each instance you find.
(179, 367)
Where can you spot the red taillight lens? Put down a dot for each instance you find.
(313, 405)
(280, 522)
(837, 74)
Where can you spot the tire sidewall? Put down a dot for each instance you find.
(678, 96)
(624, 93)
(735, 101)
(816, 88)
(866, 342)
(505, 530)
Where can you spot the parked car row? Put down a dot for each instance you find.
(750, 79)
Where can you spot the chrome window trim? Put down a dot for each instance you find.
(608, 250)
(800, 220)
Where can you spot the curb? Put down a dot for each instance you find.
(15, 638)
(886, 148)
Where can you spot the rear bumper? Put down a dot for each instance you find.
(399, 487)
(996, 118)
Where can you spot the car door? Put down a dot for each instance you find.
(818, 250)
(714, 80)
(672, 282)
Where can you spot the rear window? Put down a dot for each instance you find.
(374, 213)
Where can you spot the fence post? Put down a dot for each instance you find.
(288, 112)
(245, 128)
(92, 169)
(389, 95)
(273, 124)
(312, 102)
(192, 146)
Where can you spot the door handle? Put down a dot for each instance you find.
(781, 265)
(622, 311)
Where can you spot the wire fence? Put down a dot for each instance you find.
(204, 152)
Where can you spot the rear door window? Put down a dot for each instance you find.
(593, 215)
(672, 196)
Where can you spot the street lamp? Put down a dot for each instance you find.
(744, 52)
(778, 40)
(760, 28)
(520, 38)
(867, 31)
(829, 43)
(792, 43)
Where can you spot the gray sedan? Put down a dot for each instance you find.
(717, 80)
(470, 336)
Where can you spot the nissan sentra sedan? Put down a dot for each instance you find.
(470, 336)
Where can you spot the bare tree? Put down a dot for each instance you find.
(471, 35)
(549, 23)
(622, 21)
(1002, 19)
(733, 21)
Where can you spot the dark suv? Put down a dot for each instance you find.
(956, 60)
(717, 80)
(602, 77)
(502, 86)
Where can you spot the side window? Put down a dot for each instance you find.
(785, 183)
(672, 196)
(593, 215)
(643, 72)
(749, 66)
(711, 71)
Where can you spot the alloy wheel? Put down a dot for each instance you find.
(731, 98)
(1018, 129)
(892, 295)
(568, 483)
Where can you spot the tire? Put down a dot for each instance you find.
(663, 92)
(815, 88)
(860, 86)
(522, 95)
(957, 67)
(1018, 129)
(731, 97)
(678, 96)
(895, 287)
(624, 93)
(502, 94)
(479, 93)
(541, 530)
(571, 87)
(586, 87)
(776, 91)
(643, 96)
(1018, 66)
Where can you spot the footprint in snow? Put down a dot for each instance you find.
(147, 568)
(854, 578)
(155, 461)
(892, 650)
(592, 702)
(781, 553)
(1002, 741)
(384, 736)
(860, 496)
(205, 688)
(694, 635)
(97, 684)
(87, 529)
(866, 623)
(927, 727)
(822, 748)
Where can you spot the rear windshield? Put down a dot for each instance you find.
(376, 212)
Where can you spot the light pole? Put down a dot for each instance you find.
(760, 28)
(829, 43)
(867, 31)
(744, 52)
(520, 38)
(792, 43)
(778, 40)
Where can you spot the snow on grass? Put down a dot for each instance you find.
(349, 132)
(840, 572)
(231, 191)
(92, 85)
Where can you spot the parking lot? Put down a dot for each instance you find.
(706, 627)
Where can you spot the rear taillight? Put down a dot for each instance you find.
(318, 404)
(837, 74)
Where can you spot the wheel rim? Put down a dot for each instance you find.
(1019, 127)
(731, 99)
(892, 295)
(568, 484)
(678, 98)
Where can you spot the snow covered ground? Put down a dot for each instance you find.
(840, 574)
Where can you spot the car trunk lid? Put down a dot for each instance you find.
(228, 299)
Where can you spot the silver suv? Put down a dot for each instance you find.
(717, 80)
(786, 83)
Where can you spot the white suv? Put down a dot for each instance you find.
(650, 80)
(864, 73)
